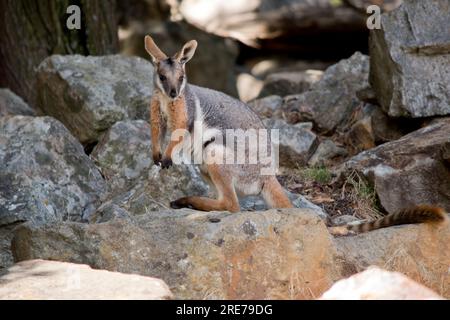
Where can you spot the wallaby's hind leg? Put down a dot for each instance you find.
(274, 194)
(227, 199)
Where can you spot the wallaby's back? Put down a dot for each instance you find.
(220, 110)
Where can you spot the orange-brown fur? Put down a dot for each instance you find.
(177, 119)
(155, 123)
(275, 194)
(417, 214)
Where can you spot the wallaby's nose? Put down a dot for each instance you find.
(173, 93)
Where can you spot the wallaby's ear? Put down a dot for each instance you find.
(187, 52)
(153, 50)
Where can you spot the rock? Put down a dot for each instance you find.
(52, 280)
(159, 187)
(89, 94)
(325, 152)
(378, 284)
(331, 100)
(11, 104)
(248, 86)
(344, 219)
(408, 56)
(257, 203)
(421, 252)
(295, 142)
(44, 173)
(288, 83)
(360, 136)
(213, 63)
(274, 254)
(410, 171)
(253, 255)
(372, 127)
(124, 154)
(267, 107)
(6, 257)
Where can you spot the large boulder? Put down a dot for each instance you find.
(11, 104)
(276, 254)
(89, 94)
(252, 255)
(409, 58)
(44, 173)
(330, 101)
(376, 283)
(68, 281)
(410, 171)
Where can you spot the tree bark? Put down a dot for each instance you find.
(31, 30)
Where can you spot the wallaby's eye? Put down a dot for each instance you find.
(181, 78)
(162, 78)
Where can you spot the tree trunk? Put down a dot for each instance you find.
(31, 30)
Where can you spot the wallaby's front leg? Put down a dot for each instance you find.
(156, 124)
(177, 121)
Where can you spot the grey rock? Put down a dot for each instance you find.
(256, 203)
(44, 173)
(288, 83)
(6, 257)
(410, 171)
(330, 101)
(123, 154)
(295, 142)
(410, 56)
(326, 151)
(11, 104)
(89, 94)
(267, 107)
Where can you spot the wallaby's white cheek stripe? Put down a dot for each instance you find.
(159, 84)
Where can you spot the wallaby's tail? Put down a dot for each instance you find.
(274, 195)
(418, 214)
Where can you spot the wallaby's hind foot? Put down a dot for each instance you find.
(274, 194)
(204, 204)
(227, 199)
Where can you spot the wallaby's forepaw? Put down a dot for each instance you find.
(157, 159)
(179, 204)
(166, 163)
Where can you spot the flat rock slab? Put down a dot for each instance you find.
(52, 280)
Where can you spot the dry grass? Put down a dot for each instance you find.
(353, 196)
